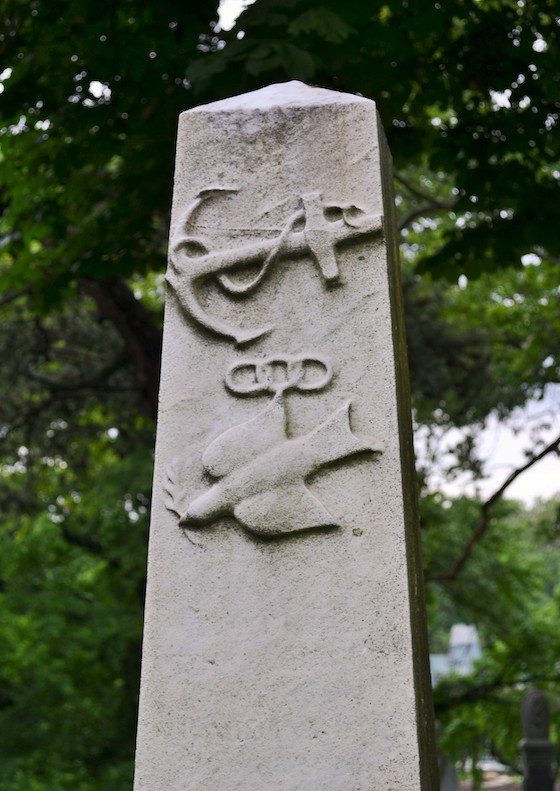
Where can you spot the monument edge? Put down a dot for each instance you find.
(429, 773)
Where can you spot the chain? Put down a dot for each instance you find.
(278, 374)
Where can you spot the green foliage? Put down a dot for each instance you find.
(83, 165)
(487, 347)
(521, 307)
(322, 22)
(72, 571)
(433, 69)
(510, 590)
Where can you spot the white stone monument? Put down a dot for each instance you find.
(284, 645)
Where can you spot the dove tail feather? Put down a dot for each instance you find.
(170, 487)
(333, 439)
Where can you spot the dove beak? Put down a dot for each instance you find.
(203, 509)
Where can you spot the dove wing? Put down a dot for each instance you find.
(284, 509)
(242, 443)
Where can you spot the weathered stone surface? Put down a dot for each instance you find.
(284, 640)
(538, 752)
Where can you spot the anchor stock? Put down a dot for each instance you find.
(318, 239)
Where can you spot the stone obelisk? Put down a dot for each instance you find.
(285, 644)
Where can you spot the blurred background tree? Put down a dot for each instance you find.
(90, 94)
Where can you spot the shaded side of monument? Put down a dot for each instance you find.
(285, 639)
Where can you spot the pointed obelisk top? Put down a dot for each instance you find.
(281, 94)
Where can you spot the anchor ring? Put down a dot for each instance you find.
(279, 373)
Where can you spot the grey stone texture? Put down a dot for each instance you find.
(284, 644)
(538, 753)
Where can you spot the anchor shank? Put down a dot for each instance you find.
(296, 243)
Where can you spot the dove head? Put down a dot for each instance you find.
(204, 509)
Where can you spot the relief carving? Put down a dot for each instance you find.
(278, 374)
(315, 230)
(260, 472)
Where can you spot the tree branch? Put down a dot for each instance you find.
(116, 303)
(99, 380)
(27, 417)
(430, 202)
(425, 196)
(420, 211)
(485, 513)
(82, 541)
(482, 691)
(12, 294)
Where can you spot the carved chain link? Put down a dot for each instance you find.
(279, 373)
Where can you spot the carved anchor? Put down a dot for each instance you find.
(190, 259)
